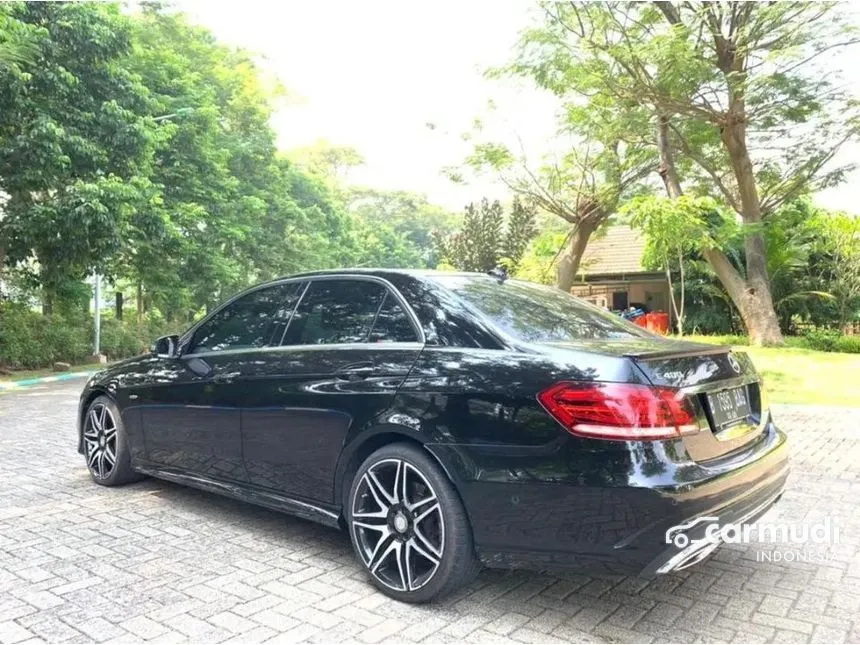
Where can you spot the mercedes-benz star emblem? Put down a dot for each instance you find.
(734, 363)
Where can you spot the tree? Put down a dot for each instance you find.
(482, 243)
(71, 135)
(840, 245)
(726, 82)
(17, 42)
(328, 161)
(584, 185)
(232, 210)
(672, 228)
(407, 214)
(521, 229)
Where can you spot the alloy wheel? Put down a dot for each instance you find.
(100, 441)
(397, 524)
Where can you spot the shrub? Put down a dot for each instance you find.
(823, 340)
(120, 341)
(29, 340)
(848, 344)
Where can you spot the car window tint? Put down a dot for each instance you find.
(445, 318)
(392, 323)
(535, 313)
(257, 319)
(335, 311)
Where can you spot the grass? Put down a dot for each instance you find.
(797, 375)
(20, 375)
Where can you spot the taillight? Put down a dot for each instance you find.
(620, 411)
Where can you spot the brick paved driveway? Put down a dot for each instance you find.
(154, 561)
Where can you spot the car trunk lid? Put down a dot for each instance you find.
(725, 390)
(723, 386)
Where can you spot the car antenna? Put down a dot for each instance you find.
(500, 273)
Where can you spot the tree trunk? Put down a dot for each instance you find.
(761, 320)
(752, 296)
(668, 171)
(139, 300)
(119, 305)
(568, 264)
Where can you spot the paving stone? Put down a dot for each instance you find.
(157, 562)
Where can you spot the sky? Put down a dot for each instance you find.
(373, 74)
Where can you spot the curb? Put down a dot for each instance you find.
(27, 382)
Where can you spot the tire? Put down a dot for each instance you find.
(408, 526)
(106, 445)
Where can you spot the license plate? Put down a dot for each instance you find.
(729, 406)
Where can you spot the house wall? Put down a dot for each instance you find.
(654, 293)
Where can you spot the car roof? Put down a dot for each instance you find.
(380, 272)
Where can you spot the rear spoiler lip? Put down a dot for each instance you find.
(704, 350)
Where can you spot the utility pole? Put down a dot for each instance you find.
(97, 280)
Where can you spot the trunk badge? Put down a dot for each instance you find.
(734, 363)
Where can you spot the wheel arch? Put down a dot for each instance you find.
(369, 442)
(87, 401)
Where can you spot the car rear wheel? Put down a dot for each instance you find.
(105, 445)
(408, 525)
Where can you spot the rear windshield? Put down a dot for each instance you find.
(538, 314)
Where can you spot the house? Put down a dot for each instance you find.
(611, 273)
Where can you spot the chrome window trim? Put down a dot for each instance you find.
(416, 325)
(189, 334)
(296, 348)
(413, 318)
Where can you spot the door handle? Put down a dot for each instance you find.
(355, 371)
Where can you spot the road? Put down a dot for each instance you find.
(155, 561)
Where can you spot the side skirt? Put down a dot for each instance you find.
(266, 499)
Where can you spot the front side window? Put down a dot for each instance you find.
(334, 312)
(535, 313)
(257, 319)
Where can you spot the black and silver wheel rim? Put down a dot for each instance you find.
(100, 441)
(397, 525)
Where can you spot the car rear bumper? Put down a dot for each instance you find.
(615, 520)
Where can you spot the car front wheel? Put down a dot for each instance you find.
(105, 445)
(408, 525)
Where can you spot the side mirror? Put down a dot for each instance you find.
(166, 347)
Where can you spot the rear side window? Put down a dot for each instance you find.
(335, 311)
(534, 313)
(257, 319)
(392, 323)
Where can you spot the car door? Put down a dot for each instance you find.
(349, 345)
(191, 415)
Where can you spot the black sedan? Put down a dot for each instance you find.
(447, 420)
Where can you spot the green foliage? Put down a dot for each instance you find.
(29, 339)
(135, 145)
(72, 134)
(837, 265)
(521, 229)
(737, 93)
(540, 257)
(823, 340)
(483, 241)
(811, 256)
(405, 219)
